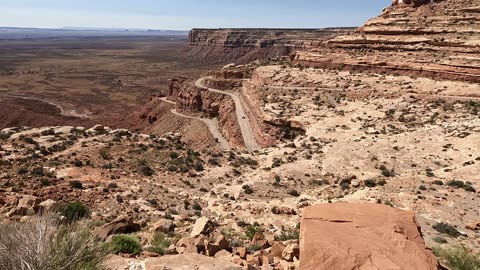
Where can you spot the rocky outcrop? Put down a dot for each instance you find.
(438, 39)
(413, 3)
(246, 45)
(362, 236)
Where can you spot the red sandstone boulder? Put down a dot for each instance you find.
(362, 236)
(124, 224)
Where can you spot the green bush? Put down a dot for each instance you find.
(38, 171)
(294, 193)
(104, 153)
(251, 230)
(289, 235)
(74, 211)
(370, 183)
(76, 184)
(160, 244)
(198, 167)
(456, 184)
(147, 171)
(447, 229)
(77, 163)
(459, 258)
(22, 170)
(440, 240)
(124, 243)
(247, 189)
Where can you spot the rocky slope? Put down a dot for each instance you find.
(247, 45)
(439, 39)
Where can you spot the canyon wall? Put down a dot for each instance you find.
(247, 45)
(438, 39)
(193, 100)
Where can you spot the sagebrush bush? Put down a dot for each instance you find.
(73, 211)
(45, 243)
(459, 258)
(124, 243)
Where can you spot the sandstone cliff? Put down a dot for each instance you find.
(439, 39)
(247, 45)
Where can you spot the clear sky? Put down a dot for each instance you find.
(186, 14)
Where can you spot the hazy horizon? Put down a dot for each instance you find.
(184, 15)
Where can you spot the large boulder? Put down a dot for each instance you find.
(25, 206)
(362, 236)
(123, 224)
(203, 226)
(164, 226)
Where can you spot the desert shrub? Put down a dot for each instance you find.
(459, 258)
(5, 136)
(469, 188)
(160, 244)
(198, 167)
(447, 229)
(74, 211)
(45, 182)
(422, 187)
(112, 185)
(294, 193)
(289, 235)
(382, 183)
(345, 185)
(38, 171)
(247, 189)
(44, 242)
(251, 230)
(386, 172)
(22, 170)
(124, 243)
(214, 161)
(77, 163)
(370, 183)
(456, 184)
(76, 184)
(197, 207)
(438, 183)
(145, 168)
(104, 153)
(29, 140)
(439, 239)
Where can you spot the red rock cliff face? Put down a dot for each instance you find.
(191, 99)
(437, 39)
(247, 45)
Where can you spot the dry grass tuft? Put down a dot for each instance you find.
(45, 243)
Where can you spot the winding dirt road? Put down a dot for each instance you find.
(243, 120)
(212, 125)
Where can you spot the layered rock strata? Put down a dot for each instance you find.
(435, 39)
(246, 45)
